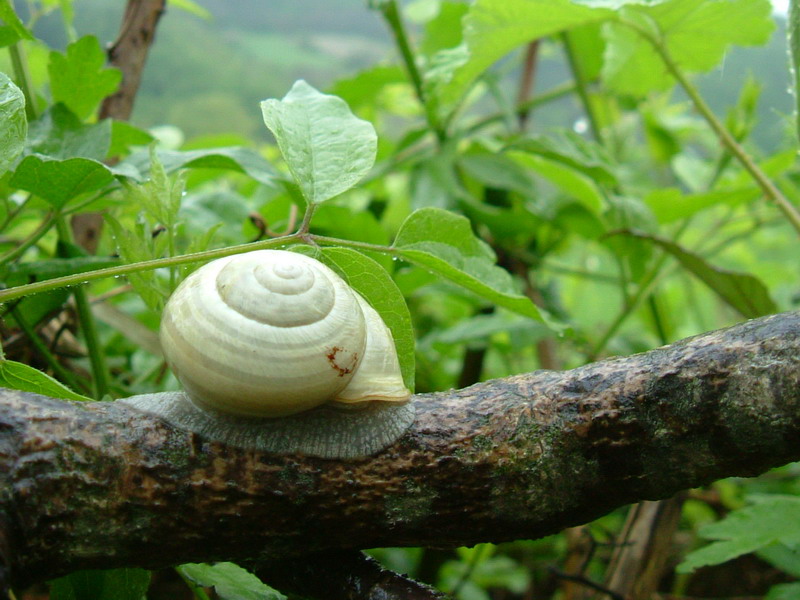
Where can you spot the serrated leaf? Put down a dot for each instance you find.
(327, 148)
(743, 292)
(133, 246)
(375, 284)
(443, 243)
(116, 584)
(771, 520)
(79, 79)
(13, 123)
(19, 376)
(492, 28)
(230, 581)
(696, 33)
(58, 133)
(59, 181)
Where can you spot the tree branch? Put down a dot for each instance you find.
(129, 53)
(97, 485)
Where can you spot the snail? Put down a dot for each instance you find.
(277, 353)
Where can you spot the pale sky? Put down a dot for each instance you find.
(781, 6)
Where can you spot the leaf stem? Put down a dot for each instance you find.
(12, 214)
(392, 16)
(554, 93)
(23, 78)
(157, 263)
(330, 241)
(645, 288)
(63, 374)
(305, 225)
(767, 186)
(100, 374)
(40, 231)
(581, 87)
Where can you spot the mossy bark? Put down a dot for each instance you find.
(99, 485)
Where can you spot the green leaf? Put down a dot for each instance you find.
(492, 28)
(19, 376)
(243, 160)
(783, 557)
(574, 151)
(499, 171)
(79, 79)
(480, 328)
(136, 245)
(230, 581)
(222, 210)
(359, 226)
(375, 284)
(13, 124)
(571, 182)
(58, 133)
(124, 135)
(784, 591)
(328, 149)
(443, 243)
(770, 520)
(743, 292)
(59, 181)
(364, 88)
(14, 30)
(434, 181)
(696, 33)
(444, 30)
(670, 205)
(116, 584)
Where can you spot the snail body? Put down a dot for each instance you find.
(277, 353)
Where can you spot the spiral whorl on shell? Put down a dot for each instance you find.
(276, 334)
(267, 334)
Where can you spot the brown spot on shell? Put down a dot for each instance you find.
(343, 370)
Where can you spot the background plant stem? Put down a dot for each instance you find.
(765, 183)
(392, 16)
(88, 325)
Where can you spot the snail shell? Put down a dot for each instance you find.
(276, 352)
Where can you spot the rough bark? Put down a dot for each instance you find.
(96, 485)
(129, 53)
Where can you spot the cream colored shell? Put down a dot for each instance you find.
(276, 334)
(272, 333)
